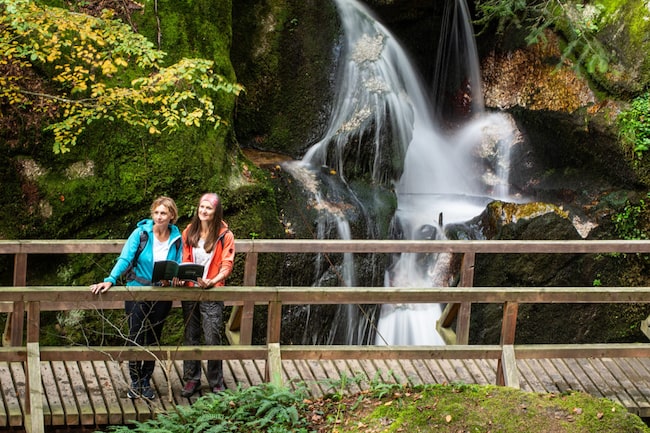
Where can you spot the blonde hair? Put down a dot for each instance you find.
(169, 204)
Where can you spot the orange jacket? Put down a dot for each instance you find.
(221, 259)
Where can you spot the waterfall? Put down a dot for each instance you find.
(447, 172)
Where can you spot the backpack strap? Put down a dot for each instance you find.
(221, 236)
(130, 273)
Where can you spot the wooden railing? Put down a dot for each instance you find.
(32, 300)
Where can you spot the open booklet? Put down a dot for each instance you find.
(168, 269)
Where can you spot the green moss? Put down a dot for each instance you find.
(282, 52)
(190, 28)
(473, 408)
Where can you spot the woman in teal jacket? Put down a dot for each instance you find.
(153, 240)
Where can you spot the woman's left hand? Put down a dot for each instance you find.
(205, 284)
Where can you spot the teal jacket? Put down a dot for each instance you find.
(144, 266)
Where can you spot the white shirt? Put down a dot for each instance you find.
(160, 249)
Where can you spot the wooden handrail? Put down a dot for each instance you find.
(77, 246)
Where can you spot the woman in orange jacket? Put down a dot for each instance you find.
(206, 241)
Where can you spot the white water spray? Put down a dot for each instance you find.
(382, 101)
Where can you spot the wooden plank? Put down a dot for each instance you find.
(399, 374)
(489, 369)
(143, 412)
(238, 374)
(331, 374)
(311, 383)
(121, 385)
(568, 375)
(175, 383)
(638, 374)
(548, 383)
(65, 392)
(84, 406)
(558, 378)
(530, 382)
(18, 374)
(475, 371)
(411, 377)
(612, 389)
(320, 378)
(4, 395)
(437, 371)
(229, 379)
(423, 375)
(260, 364)
(345, 374)
(94, 394)
(54, 405)
(360, 376)
(383, 371)
(599, 383)
(449, 371)
(252, 372)
(290, 375)
(629, 386)
(109, 392)
(164, 397)
(586, 382)
(13, 391)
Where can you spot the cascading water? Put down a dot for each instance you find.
(443, 177)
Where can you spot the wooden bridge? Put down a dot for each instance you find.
(86, 386)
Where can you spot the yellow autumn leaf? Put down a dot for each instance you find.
(108, 68)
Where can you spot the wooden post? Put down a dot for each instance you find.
(508, 328)
(34, 418)
(274, 322)
(464, 313)
(239, 328)
(274, 365)
(250, 280)
(273, 339)
(33, 321)
(13, 333)
(509, 364)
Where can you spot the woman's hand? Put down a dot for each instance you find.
(101, 287)
(205, 284)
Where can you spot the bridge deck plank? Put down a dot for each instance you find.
(639, 375)
(52, 409)
(93, 393)
(11, 412)
(109, 393)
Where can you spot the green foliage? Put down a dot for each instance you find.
(261, 408)
(629, 224)
(91, 61)
(578, 23)
(634, 125)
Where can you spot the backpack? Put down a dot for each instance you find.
(129, 273)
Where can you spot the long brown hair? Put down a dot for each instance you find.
(194, 230)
